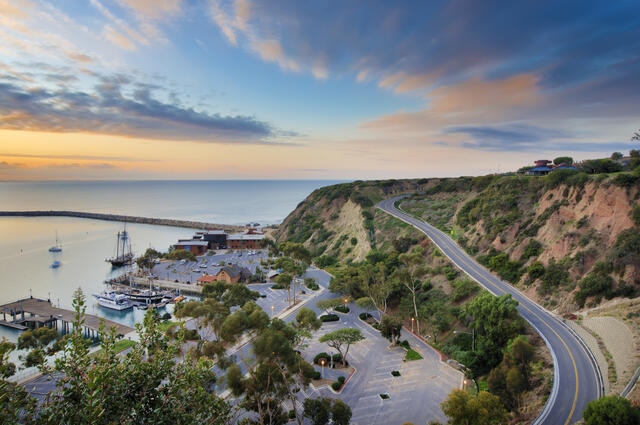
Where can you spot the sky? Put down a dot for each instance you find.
(327, 89)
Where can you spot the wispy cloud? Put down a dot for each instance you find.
(120, 105)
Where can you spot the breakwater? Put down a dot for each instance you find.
(124, 218)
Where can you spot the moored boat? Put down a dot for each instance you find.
(113, 300)
(57, 247)
(124, 256)
(55, 264)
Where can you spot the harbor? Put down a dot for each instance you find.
(30, 313)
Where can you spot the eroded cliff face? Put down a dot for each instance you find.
(575, 225)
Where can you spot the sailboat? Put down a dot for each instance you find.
(123, 256)
(57, 247)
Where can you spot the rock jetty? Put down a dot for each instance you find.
(124, 218)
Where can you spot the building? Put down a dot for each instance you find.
(250, 239)
(217, 239)
(231, 273)
(195, 246)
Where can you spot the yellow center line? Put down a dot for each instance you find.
(573, 362)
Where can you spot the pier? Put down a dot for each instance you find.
(32, 313)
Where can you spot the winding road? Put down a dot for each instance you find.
(577, 378)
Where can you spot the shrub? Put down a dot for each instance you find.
(342, 309)
(316, 375)
(336, 385)
(341, 379)
(364, 316)
(395, 373)
(329, 318)
(319, 356)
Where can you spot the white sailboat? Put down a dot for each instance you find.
(57, 247)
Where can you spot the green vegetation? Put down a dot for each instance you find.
(341, 340)
(611, 410)
(412, 355)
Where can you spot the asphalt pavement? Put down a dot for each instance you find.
(577, 378)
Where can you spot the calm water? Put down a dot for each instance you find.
(24, 255)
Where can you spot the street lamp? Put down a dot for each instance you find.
(412, 319)
(272, 311)
(322, 364)
(473, 337)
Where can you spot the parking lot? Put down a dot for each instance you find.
(413, 396)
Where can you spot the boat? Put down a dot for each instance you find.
(55, 264)
(57, 247)
(124, 256)
(146, 297)
(113, 300)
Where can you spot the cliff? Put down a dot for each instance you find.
(569, 240)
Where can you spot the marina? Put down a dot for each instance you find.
(32, 313)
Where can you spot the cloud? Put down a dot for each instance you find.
(74, 157)
(419, 46)
(523, 137)
(120, 105)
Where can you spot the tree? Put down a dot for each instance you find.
(278, 373)
(16, 405)
(331, 303)
(464, 409)
(317, 410)
(414, 268)
(145, 385)
(563, 160)
(209, 313)
(340, 412)
(611, 410)
(391, 328)
(7, 368)
(306, 322)
(616, 155)
(342, 339)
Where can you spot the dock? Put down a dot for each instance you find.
(29, 313)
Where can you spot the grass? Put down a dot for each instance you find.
(413, 355)
(124, 344)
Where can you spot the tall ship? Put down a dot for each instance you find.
(113, 300)
(124, 256)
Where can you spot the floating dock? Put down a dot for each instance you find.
(30, 313)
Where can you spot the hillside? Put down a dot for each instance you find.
(569, 240)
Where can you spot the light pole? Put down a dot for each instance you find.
(272, 307)
(322, 364)
(412, 319)
(473, 337)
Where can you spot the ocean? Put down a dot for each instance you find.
(25, 260)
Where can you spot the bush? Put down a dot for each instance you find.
(329, 318)
(336, 385)
(319, 356)
(316, 375)
(365, 316)
(342, 309)
(341, 379)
